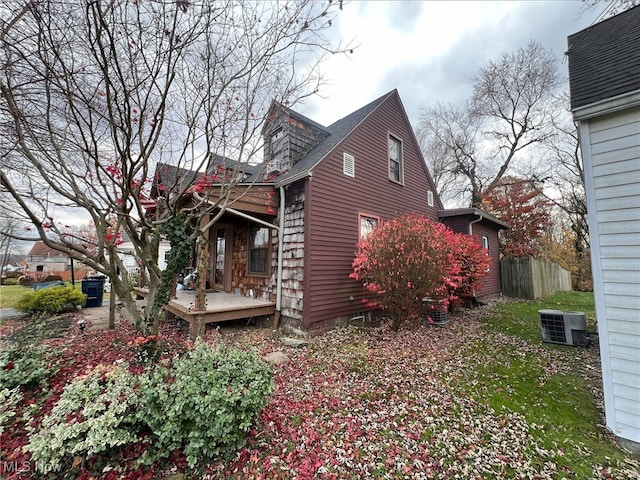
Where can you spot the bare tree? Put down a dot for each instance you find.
(9, 225)
(565, 178)
(96, 93)
(508, 113)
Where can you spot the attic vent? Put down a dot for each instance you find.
(430, 198)
(566, 328)
(348, 165)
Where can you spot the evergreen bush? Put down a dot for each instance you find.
(51, 300)
(205, 404)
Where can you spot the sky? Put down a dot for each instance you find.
(431, 50)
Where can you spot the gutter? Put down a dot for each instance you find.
(480, 217)
(276, 320)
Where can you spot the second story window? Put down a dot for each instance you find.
(395, 160)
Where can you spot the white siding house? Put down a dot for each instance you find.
(604, 73)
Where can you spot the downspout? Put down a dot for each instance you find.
(276, 320)
(473, 293)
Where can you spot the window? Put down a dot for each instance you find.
(395, 159)
(368, 224)
(430, 198)
(348, 165)
(276, 150)
(485, 242)
(259, 249)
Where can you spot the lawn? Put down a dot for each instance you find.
(9, 294)
(481, 397)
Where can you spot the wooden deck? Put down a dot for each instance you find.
(219, 307)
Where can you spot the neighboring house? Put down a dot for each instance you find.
(604, 76)
(127, 254)
(42, 258)
(323, 188)
(485, 228)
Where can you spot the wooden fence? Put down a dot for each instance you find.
(531, 278)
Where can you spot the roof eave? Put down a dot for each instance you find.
(608, 105)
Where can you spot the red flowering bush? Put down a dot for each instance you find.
(410, 258)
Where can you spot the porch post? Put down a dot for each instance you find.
(202, 262)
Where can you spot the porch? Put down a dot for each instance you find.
(219, 307)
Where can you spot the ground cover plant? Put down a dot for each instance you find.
(482, 397)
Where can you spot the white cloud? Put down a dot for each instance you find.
(430, 51)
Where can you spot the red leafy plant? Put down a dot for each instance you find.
(411, 258)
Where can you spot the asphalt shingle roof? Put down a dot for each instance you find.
(338, 131)
(604, 59)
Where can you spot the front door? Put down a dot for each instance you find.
(222, 259)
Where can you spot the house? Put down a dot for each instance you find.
(129, 259)
(604, 77)
(288, 240)
(42, 258)
(485, 228)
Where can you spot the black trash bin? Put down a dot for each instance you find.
(93, 288)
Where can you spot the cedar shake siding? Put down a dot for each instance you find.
(293, 267)
(336, 200)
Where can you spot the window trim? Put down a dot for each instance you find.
(390, 137)
(268, 249)
(430, 198)
(485, 241)
(362, 215)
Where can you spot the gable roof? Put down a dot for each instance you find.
(293, 114)
(41, 249)
(481, 214)
(604, 59)
(338, 131)
(181, 178)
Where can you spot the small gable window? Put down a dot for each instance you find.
(348, 165)
(276, 150)
(395, 160)
(259, 250)
(368, 223)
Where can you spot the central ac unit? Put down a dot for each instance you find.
(565, 328)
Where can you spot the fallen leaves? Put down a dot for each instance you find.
(360, 404)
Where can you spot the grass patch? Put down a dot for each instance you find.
(9, 295)
(548, 384)
(521, 319)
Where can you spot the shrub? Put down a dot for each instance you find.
(10, 281)
(51, 300)
(24, 366)
(205, 404)
(410, 258)
(94, 414)
(9, 400)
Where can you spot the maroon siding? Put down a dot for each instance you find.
(490, 284)
(335, 200)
